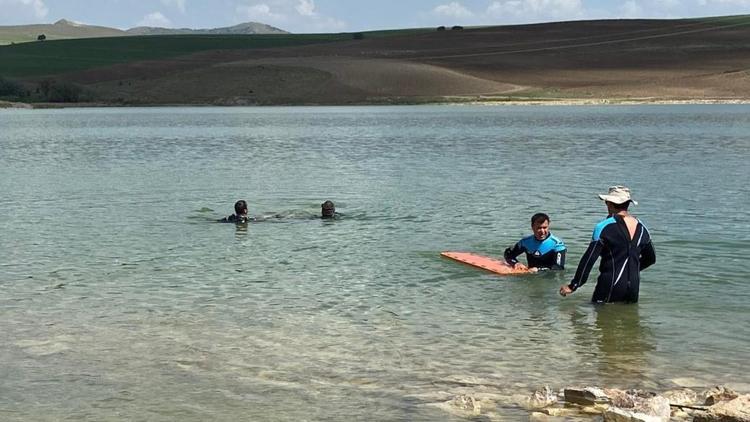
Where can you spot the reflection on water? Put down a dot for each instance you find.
(112, 308)
(619, 340)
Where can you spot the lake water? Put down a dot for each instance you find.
(122, 299)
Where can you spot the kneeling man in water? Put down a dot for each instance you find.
(544, 251)
(625, 247)
(240, 214)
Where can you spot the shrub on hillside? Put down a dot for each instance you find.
(10, 88)
(64, 92)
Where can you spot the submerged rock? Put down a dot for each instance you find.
(462, 405)
(559, 411)
(616, 414)
(541, 398)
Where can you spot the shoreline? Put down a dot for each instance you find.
(516, 101)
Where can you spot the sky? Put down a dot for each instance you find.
(307, 16)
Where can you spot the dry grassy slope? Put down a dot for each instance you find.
(682, 59)
(57, 31)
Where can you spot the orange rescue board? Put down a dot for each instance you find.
(489, 264)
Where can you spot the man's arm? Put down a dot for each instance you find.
(559, 260)
(648, 256)
(584, 268)
(511, 254)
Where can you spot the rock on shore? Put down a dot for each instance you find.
(718, 404)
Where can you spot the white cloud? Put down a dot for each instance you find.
(155, 19)
(291, 15)
(744, 3)
(326, 24)
(668, 4)
(650, 9)
(259, 12)
(631, 9)
(521, 11)
(453, 10)
(535, 10)
(179, 4)
(23, 9)
(306, 7)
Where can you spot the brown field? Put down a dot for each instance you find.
(621, 60)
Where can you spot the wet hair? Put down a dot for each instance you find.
(327, 209)
(539, 218)
(620, 207)
(240, 206)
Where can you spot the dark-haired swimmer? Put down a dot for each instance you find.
(328, 210)
(544, 250)
(240, 214)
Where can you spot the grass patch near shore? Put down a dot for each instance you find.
(734, 19)
(54, 57)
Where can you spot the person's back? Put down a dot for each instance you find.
(625, 250)
(625, 247)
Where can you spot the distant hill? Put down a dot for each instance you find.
(247, 28)
(65, 29)
(60, 30)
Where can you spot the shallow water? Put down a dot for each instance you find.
(120, 298)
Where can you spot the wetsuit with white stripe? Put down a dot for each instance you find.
(547, 253)
(622, 260)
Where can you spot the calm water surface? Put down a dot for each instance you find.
(120, 298)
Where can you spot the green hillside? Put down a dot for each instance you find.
(59, 56)
(54, 57)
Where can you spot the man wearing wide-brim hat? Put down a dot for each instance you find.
(625, 246)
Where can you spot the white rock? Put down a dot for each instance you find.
(685, 397)
(736, 410)
(718, 394)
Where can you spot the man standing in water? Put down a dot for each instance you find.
(625, 247)
(543, 249)
(240, 214)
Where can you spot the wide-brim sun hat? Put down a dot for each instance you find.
(618, 195)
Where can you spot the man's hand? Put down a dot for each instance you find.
(565, 290)
(520, 266)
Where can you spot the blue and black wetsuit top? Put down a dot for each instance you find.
(547, 253)
(622, 260)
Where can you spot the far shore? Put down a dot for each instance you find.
(453, 102)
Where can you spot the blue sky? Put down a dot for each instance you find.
(302, 16)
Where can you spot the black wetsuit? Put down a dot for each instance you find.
(234, 218)
(547, 253)
(622, 261)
